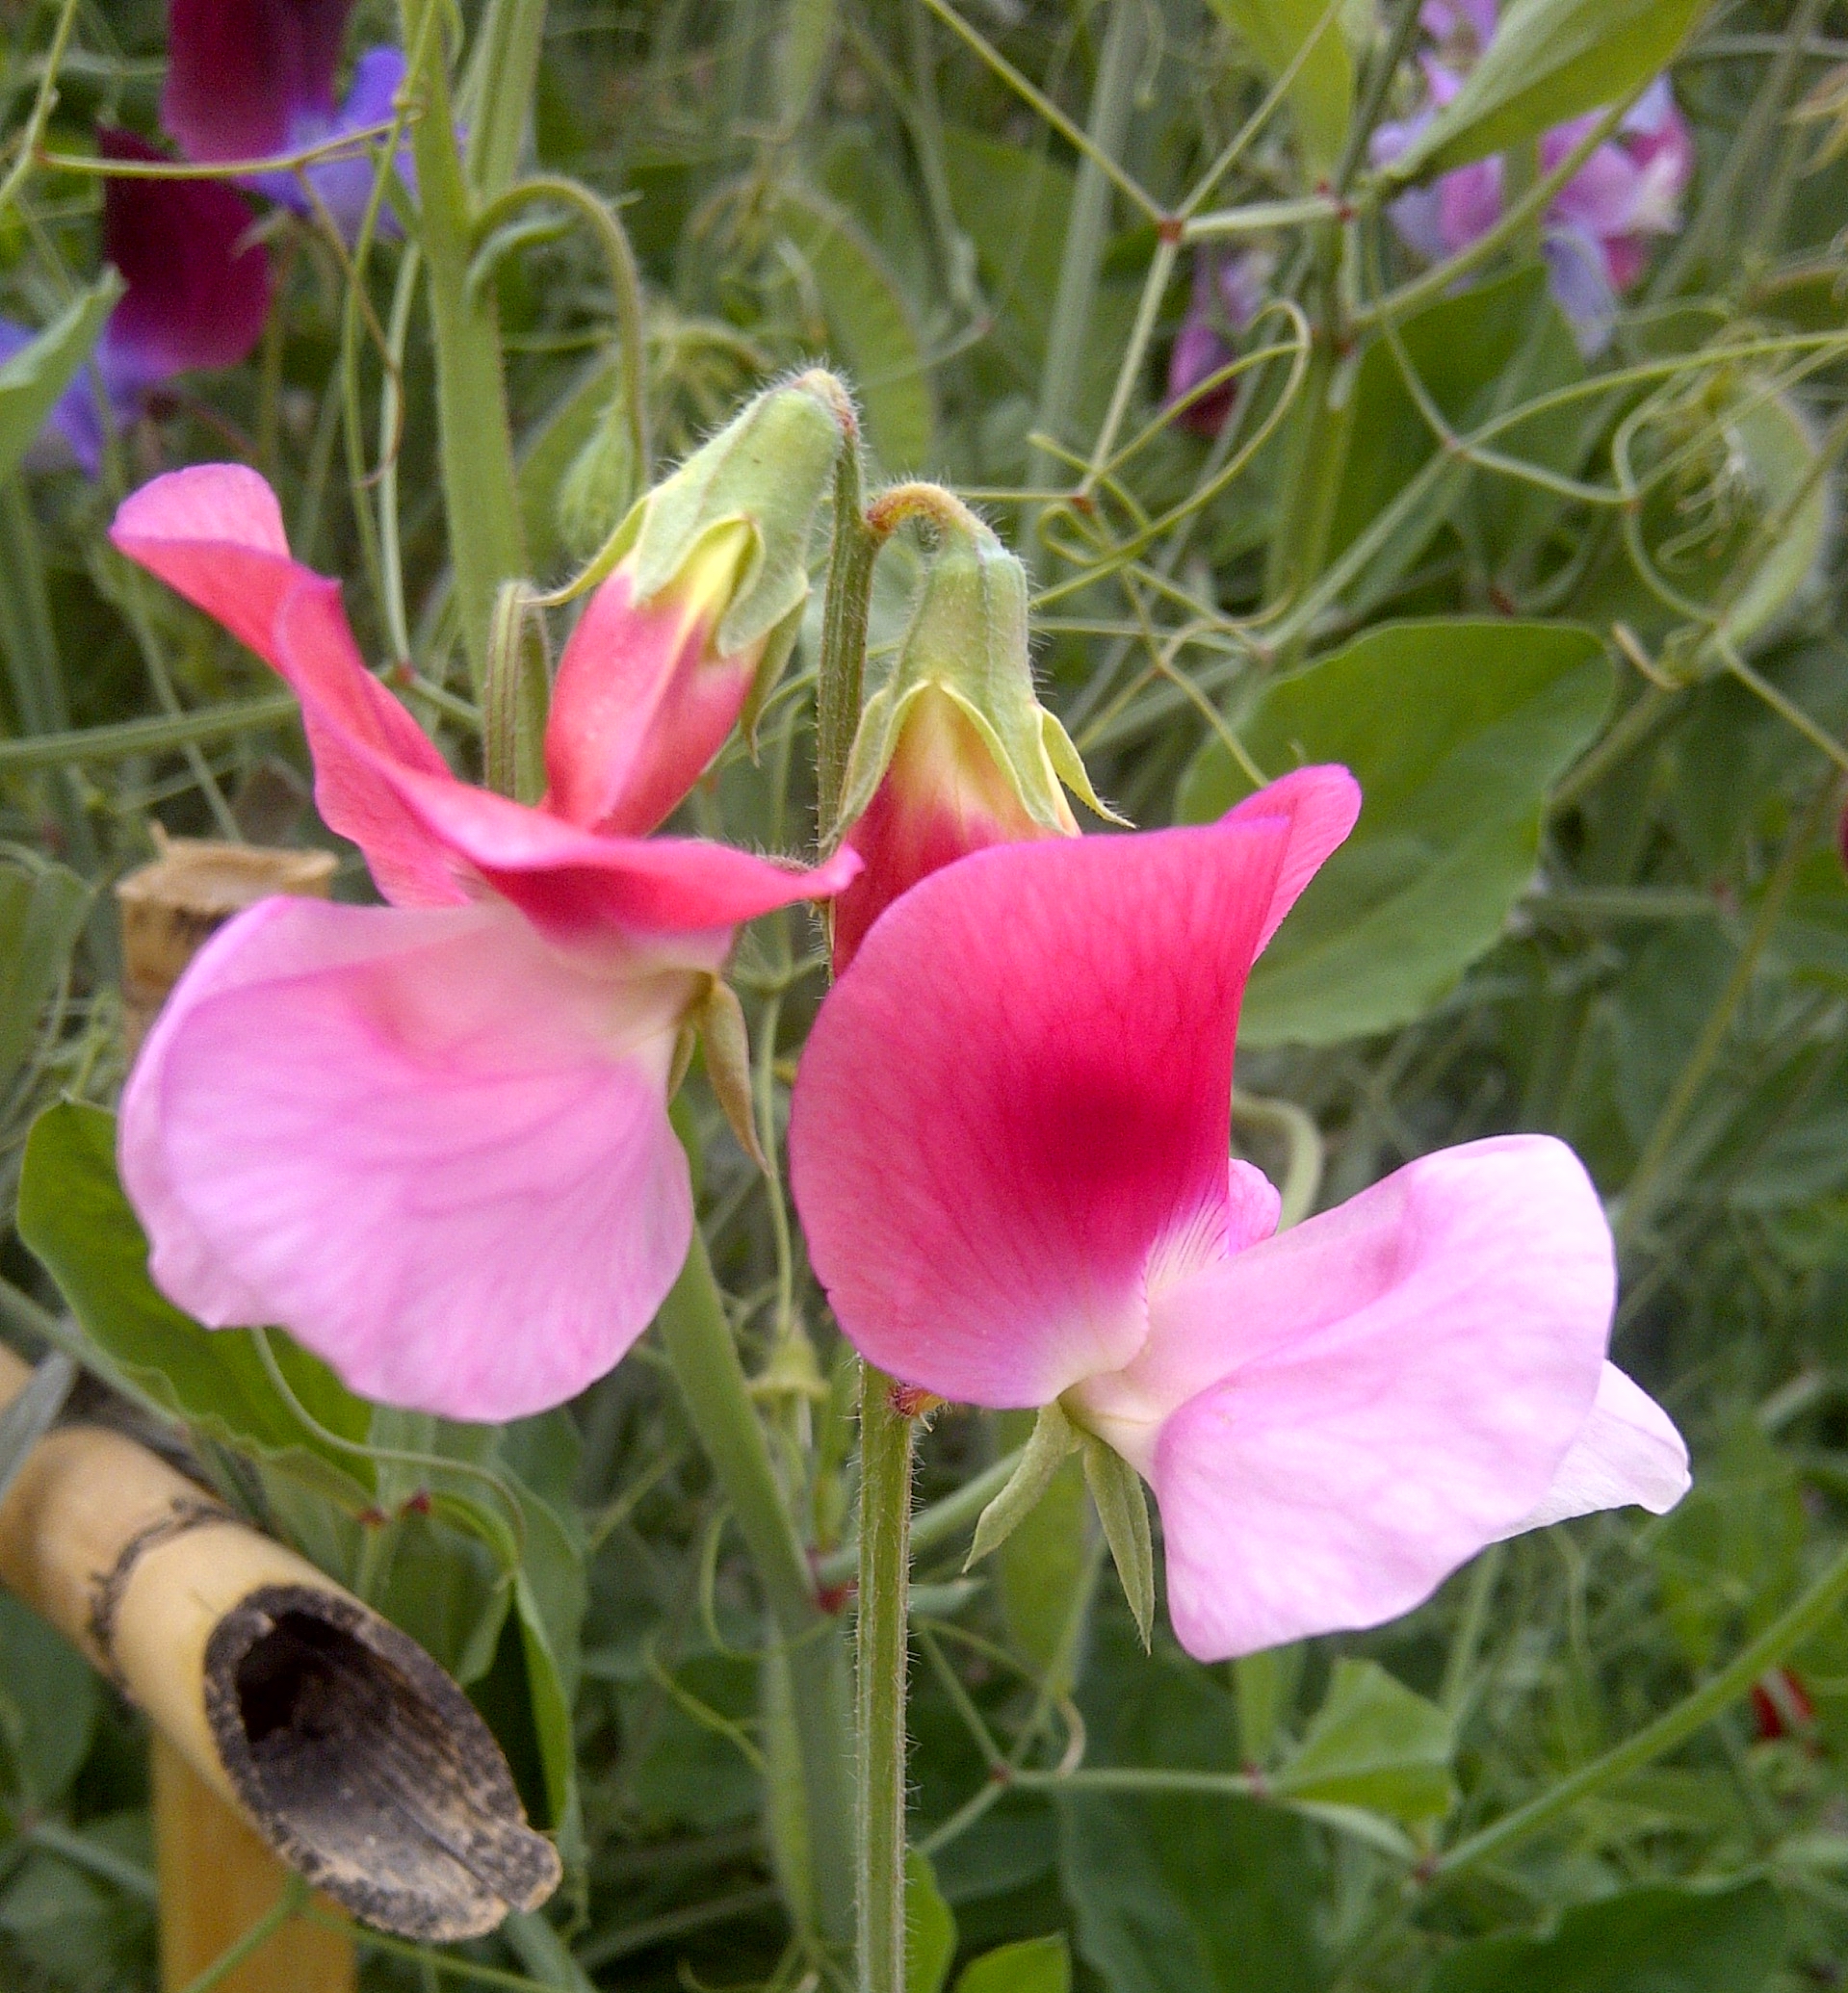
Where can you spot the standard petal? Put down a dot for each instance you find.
(198, 292)
(1627, 1451)
(240, 73)
(1019, 1090)
(434, 1150)
(1318, 807)
(1366, 1401)
(640, 709)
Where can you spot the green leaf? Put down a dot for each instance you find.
(1659, 1940)
(1374, 1743)
(1449, 826)
(73, 1215)
(1035, 1965)
(41, 914)
(1550, 61)
(1054, 1441)
(931, 1927)
(1322, 94)
(50, 1698)
(36, 374)
(29, 1417)
(1123, 1509)
(871, 333)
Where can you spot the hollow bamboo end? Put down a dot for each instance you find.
(367, 1768)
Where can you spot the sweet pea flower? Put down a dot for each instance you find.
(953, 752)
(196, 296)
(1009, 1147)
(1597, 228)
(247, 78)
(1228, 294)
(430, 1139)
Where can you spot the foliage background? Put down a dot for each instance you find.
(1596, 892)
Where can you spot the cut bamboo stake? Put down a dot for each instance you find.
(289, 1716)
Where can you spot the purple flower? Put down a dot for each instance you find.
(197, 295)
(246, 78)
(1228, 294)
(1597, 228)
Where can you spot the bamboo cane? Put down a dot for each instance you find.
(290, 1720)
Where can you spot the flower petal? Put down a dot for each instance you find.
(1627, 1451)
(1019, 1089)
(640, 708)
(198, 294)
(1375, 1394)
(344, 185)
(1316, 807)
(240, 72)
(434, 1150)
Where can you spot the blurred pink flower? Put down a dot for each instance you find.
(1009, 1147)
(1597, 226)
(197, 295)
(1228, 294)
(430, 1139)
(247, 78)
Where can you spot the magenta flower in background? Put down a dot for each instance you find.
(430, 1139)
(247, 78)
(1009, 1147)
(197, 295)
(1599, 225)
(1228, 294)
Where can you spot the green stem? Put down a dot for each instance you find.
(498, 95)
(933, 1525)
(885, 1586)
(476, 445)
(698, 1344)
(843, 641)
(1782, 1636)
(1068, 345)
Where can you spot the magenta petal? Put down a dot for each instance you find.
(197, 293)
(638, 709)
(1397, 1383)
(1019, 1090)
(241, 72)
(1316, 807)
(431, 1149)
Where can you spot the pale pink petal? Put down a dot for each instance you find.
(1364, 1402)
(1319, 806)
(433, 1150)
(638, 709)
(1019, 1090)
(1468, 203)
(1626, 1452)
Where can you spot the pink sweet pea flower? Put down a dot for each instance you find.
(247, 78)
(1010, 1148)
(1228, 294)
(430, 1139)
(197, 295)
(1597, 228)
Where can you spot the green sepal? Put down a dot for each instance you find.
(1123, 1509)
(719, 1020)
(770, 469)
(1054, 1438)
(968, 640)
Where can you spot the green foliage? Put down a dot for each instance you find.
(41, 914)
(1033, 1965)
(1374, 1743)
(32, 378)
(1321, 89)
(1451, 821)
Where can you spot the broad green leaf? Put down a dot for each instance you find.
(50, 1698)
(1374, 1743)
(36, 374)
(1321, 95)
(1659, 1940)
(1449, 824)
(1265, 1685)
(1035, 1965)
(41, 913)
(1478, 355)
(931, 1927)
(872, 333)
(1550, 61)
(73, 1215)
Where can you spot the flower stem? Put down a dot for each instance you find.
(885, 1588)
(698, 1340)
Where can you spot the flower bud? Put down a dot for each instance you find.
(697, 616)
(954, 752)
